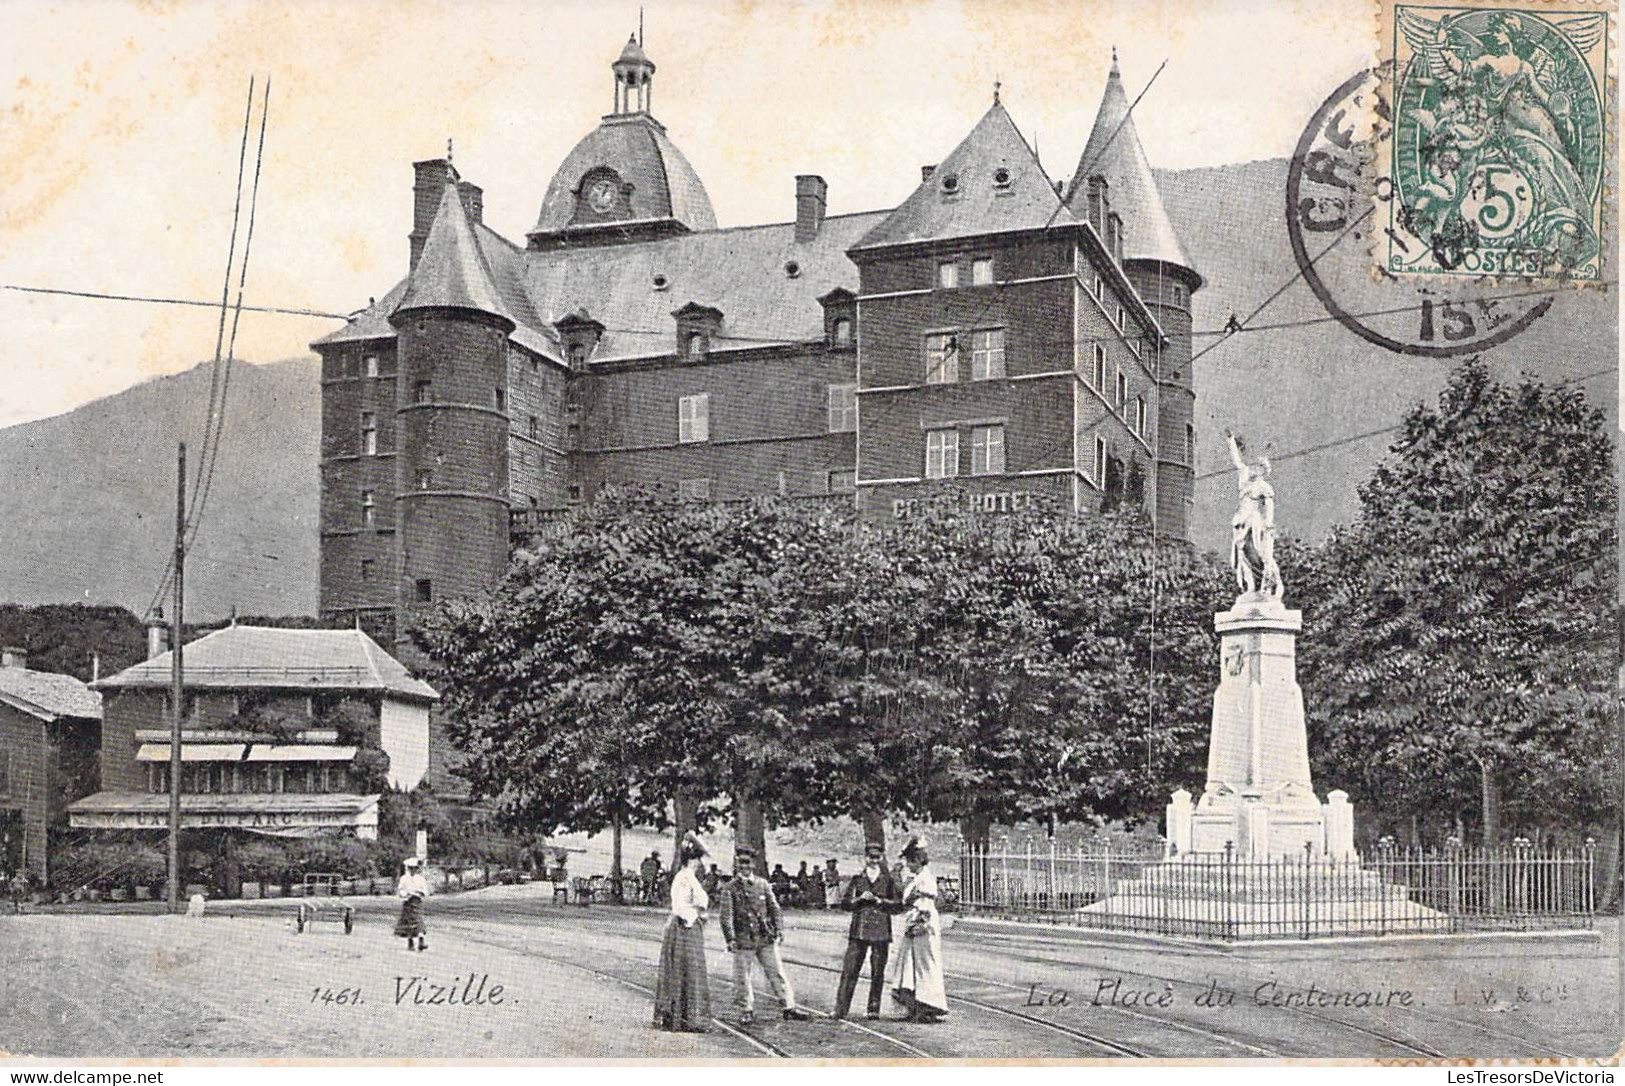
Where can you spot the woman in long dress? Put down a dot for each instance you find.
(919, 988)
(413, 888)
(683, 992)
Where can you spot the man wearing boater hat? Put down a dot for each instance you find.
(752, 926)
(872, 897)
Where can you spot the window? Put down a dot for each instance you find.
(1122, 388)
(420, 391)
(1096, 287)
(694, 345)
(1001, 178)
(1140, 416)
(942, 358)
(1099, 468)
(369, 511)
(423, 589)
(502, 400)
(1100, 369)
(843, 481)
(987, 354)
(369, 434)
(694, 490)
(425, 478)
(987, 450)
(5, 772)
(841, 332)
(694, 418)
(534, 427)
(941, 454)
(981, 272)
(1122, 319)
(947, 274)
(369, 365)
(368, 567)
(575, 492)
(843, 408)
(1190, 444)
(578, 355)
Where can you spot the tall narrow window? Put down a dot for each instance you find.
(694, 346)
(578, 355)
(987, 450)
(1122, 388)
(1098, 469)
(941, 454)
(369, 434)
(942, 358)
(841, 332)
(1190, 444)
(421, 391)
(1100, 369)
(423, 588)
(1096, 286)
(1141, 423)
(694, 418)
(502, 400)
(843, 408)
(368, 566)
(981, 272)
(535, 428)
(369, 512)
(369, 365)
(947, 274)
(425, 479)
(987, 354)
(1122, 319)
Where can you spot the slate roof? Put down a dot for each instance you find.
(48, 695)
(636, 147)
(1148, 234)
(963, 197)
(740, 270)
(241, 657)
(452, 271)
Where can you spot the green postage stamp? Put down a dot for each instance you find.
(1500, 140)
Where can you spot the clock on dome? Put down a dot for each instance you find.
(601, 195)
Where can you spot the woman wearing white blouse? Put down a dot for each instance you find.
(683, 992)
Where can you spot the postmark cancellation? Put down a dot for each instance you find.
(1499, 140)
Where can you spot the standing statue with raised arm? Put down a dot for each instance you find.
(1252, 539)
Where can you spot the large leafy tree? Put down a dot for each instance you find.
(1464, 651)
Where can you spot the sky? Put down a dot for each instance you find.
(120, 125)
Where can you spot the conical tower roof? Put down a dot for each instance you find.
(1114, 152)
(991, 183)
(452, 273)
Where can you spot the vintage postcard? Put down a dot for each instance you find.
(1058, 530)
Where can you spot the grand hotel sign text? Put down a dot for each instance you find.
(993, 501)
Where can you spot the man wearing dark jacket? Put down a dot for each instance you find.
(872, 897)
(752, 926)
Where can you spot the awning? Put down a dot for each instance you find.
(193, 752)
(267, 752)
(282, 813)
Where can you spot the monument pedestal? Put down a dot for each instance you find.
(1259, 801)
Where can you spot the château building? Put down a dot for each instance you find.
(999, 335)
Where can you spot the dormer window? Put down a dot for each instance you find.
(841, 332)
(578, 355)
(697, 326)
(580, 335)
(840, 318)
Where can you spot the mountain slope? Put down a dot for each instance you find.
(88, 497)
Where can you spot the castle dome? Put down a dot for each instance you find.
(626, 177)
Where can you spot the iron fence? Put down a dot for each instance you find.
(1391, 891)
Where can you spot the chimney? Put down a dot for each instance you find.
(428, 186)
(157, 637)
(473, 201)
(926, 172)
(810, 192)
(11, 656)
(1114, 234)
(1099, 204)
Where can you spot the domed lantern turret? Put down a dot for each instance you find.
(634, 78)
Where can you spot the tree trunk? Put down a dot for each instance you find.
(874, 828)
(684, 809)
(1492, 803)
(750, 828)
(615, 858)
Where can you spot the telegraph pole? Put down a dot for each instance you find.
(176, 687)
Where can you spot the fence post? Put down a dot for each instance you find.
(1229, 906)
(1588, 900)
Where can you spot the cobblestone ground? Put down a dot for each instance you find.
(574, 983)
